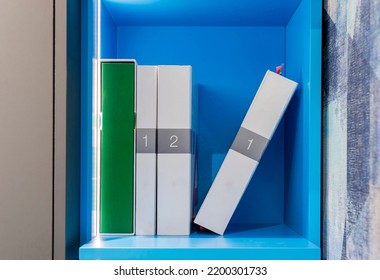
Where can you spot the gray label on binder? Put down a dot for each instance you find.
(174, 141)
(146, 140)
(249, 144)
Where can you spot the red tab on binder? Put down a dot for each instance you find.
(279, 69)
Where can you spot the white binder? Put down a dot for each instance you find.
(146, 157)
(175, 150)
(242, 158)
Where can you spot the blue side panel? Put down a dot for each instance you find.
(303, 120)
(107, 34)
(228, 65)
(87, 52)
(73, 130)
(315, 129)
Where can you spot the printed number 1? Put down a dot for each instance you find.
(250, 143)
(146, 140)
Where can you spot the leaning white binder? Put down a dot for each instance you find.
(175, 150)
(242, 158)
(146, 157)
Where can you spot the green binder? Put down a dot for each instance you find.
(117, 147)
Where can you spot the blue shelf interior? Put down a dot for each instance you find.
(230, 45)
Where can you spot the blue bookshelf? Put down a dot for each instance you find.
(230, 45)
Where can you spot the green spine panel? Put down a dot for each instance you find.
(117, 147)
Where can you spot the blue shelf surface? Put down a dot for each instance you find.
(277, 242)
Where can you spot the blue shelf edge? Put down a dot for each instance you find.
(277, 242)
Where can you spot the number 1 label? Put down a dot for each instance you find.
(146, 140)
(250, 143)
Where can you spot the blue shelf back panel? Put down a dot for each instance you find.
(303, 120)
(201, 12)
(228, 64)
(262, 243)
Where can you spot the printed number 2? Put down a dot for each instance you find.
(146, 140)
(173, 144)
(250, 143)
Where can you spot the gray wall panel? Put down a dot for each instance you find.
(26, 138)
(60, 129)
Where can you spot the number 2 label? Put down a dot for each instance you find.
(174, 139)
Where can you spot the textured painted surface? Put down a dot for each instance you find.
(351, 129)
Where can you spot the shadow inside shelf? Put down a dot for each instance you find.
(234, 236)
(260, 231)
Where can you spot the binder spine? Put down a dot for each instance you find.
(174, 146)
(146, 157)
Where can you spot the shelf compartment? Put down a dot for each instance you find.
(229, 53)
